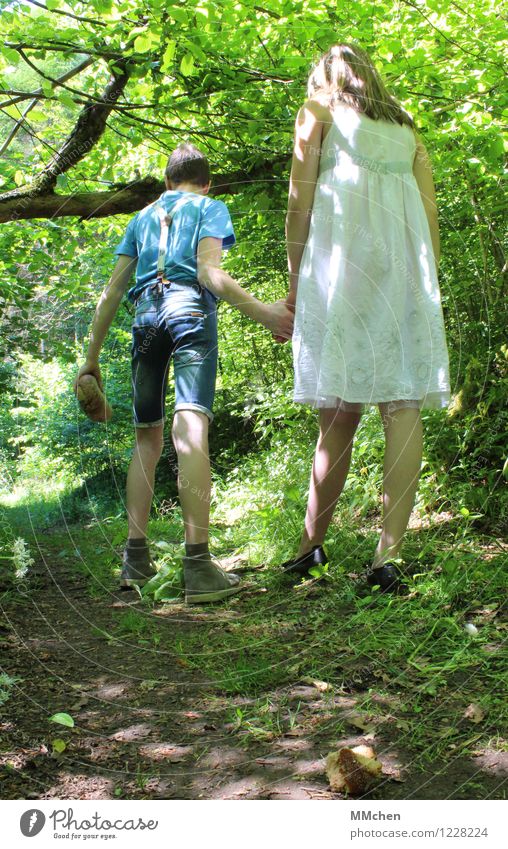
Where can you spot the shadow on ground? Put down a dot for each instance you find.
(151, 724)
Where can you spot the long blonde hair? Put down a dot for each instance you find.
(346, 74)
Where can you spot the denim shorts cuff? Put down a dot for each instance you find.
(149, 424)
(198, 407)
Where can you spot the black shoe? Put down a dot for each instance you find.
(387, 579)
(301, 566)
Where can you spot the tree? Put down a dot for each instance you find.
(97, 93)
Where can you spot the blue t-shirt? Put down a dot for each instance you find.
(196, 217)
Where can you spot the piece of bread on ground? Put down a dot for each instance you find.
(92, 400)
(352, 770)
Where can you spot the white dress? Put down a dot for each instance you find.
(369, 323)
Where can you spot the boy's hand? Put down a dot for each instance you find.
(279, 319)
(291, 298)
(90, 367)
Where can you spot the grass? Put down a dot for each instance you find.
(408, 662)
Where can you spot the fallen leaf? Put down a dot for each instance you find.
(59, 746)
(62, 719)
(146, 686)
(474, 713)
(361, 722)
(322, 686)
(81, 703)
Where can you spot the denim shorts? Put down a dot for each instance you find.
(175, 321)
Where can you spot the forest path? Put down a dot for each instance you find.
(154, 720)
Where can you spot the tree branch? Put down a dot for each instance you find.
(65, 47)
(17, 126)
(67, 14)
(123, 199)
(88, 130)
(63, 79)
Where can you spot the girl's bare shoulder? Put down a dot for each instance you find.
(318, 107)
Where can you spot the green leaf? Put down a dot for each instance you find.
(38, 115)
(65, 98)
(362, 602)
(59, 745)
(12, 56)
(164, 545)
(168, 56)
(62, 719)
(168, 592)
(142, 43)
(179, 15)
(12, 111)
(187, 65)
(319, 571)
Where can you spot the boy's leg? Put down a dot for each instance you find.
(141, 477)
(204, 580)
(190, 438)
(138, 566)
(402, 463)
(194, 329)
(329, 472)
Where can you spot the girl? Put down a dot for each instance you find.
(363, 248)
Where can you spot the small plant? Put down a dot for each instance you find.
(21, 558)
(6, 685)
(167, 584)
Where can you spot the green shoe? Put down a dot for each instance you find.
(205, 581)
(138, 566)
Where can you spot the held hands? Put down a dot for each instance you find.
(290, 306)
(279, 319)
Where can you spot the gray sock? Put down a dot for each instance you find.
(137, 542)
(196, 549)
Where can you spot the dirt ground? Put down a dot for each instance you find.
(147, 727)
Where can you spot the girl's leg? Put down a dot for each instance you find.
(329, 473)
(402, 463)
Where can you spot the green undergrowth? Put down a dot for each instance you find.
(407, 661)
(410, 664)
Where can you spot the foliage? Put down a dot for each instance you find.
(230, 78)
(7, 682)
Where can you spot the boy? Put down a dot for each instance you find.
(175, 245)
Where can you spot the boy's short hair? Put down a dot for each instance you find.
(188, 165)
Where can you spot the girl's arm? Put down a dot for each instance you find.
(302, 184)
(422, 170)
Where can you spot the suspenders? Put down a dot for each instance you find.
(165, 219)
(163, 241)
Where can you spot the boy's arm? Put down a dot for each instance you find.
(302, 184)
(275, 317)
(106, 309)
(422, 170)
